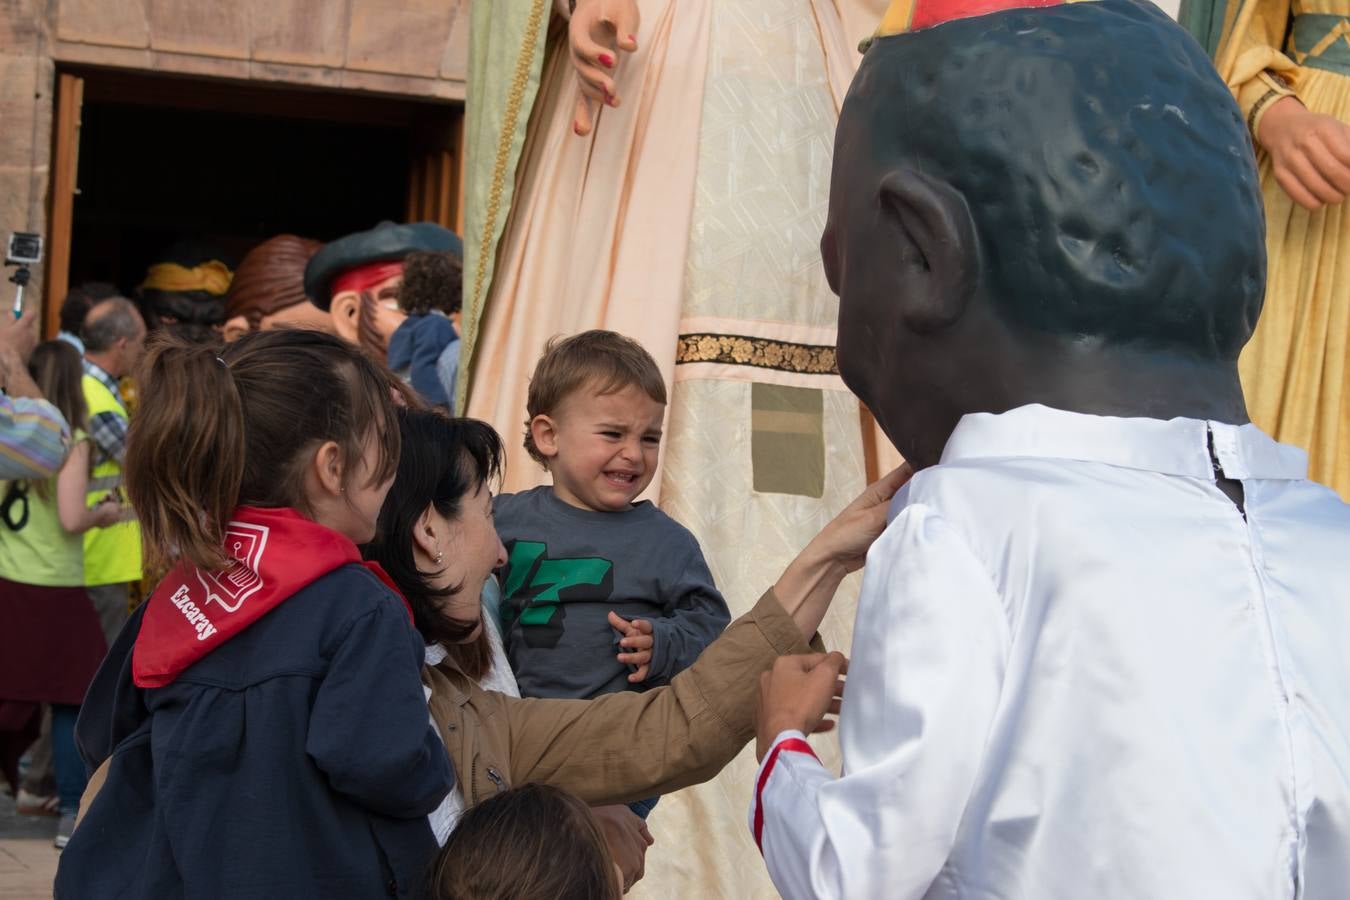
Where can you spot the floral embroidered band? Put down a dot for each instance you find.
(760, 353)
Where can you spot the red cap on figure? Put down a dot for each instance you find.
(912, 15)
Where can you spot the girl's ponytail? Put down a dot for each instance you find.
(185, 453)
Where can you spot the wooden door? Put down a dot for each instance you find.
(62, 188)
(436, 170)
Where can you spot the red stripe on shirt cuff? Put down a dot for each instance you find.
(796, 745)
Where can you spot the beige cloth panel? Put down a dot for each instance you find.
(703, 844)
(600, 225)
(753, 268)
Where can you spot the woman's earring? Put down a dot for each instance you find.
(440, 557)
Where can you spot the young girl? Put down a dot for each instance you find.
(52, 643)
(262, 719)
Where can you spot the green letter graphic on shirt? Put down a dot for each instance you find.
(536, 587)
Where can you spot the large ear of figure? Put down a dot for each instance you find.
(345, 312)
(927, 226)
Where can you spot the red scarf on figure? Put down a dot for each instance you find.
(276, 552)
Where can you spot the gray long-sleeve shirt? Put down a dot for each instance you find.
(568, 567)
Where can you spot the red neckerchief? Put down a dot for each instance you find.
(276, 552)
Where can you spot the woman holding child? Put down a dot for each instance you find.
(438, 540)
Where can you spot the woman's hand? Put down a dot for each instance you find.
(599, 29)
(1310, 153)
(108, 511)
(849, 535)
(808, 583)
(797, 694)
(628, 840)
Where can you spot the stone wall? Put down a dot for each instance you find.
(416, 48)
(407, 47)
(27, 81)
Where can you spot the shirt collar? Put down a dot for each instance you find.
(1171, 447)
(94, 369)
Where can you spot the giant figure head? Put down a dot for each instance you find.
(184, 293)
(268, 290)
(356, 279)
(1055, 205)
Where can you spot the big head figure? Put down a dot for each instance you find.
(268, 289)
(355, 280)
(1054, 205)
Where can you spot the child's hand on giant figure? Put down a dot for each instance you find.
(797, 694)
(1310, 153)
(636, 643)
(598, 30)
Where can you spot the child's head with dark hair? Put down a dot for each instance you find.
(530, 843)
(595, 404)
(445, 474)
(431, 281)
(289, 418)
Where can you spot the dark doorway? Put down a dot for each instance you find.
(224, 165)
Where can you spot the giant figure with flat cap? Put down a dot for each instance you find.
(355, 279)
(1100, 646)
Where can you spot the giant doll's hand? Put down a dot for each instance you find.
(599, 29)
(1310, 153)
(628, 840)
(797, 694)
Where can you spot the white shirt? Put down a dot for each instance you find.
(1079, 672)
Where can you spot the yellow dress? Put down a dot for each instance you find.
(1294, 371)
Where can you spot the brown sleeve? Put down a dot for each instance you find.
(627, 746)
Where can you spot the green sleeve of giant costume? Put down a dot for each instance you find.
(506, 58)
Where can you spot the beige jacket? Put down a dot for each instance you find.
(619, 747)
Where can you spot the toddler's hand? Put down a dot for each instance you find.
(637, 643)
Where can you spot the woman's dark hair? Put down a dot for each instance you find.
(216, 432)
(530, 843)
(55, 366)
(444, 460)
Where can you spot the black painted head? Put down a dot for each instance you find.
(1074, 178)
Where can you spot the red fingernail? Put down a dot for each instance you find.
(606, 60)
(632, 39)
(576, 129)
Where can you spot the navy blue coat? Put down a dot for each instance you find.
(296, 760)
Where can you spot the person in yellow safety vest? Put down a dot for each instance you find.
(114, 339)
